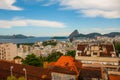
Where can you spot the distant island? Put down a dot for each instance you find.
(19, 36)
(59, 37)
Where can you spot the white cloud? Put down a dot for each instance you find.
(61, 33)
(18, 18)
(106, 30)
(8, 5)
(30, 22)
(102, 13)
(102, 30)
(93, 8)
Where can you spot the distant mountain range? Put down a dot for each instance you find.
(93, 35)
(75, 33)
(19, 36)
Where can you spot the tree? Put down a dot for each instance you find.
(17, 57)
(71, 53)
(53, 43)
(54, 56)
(11, 78)
(32, 60)
(38, 61)
(41, 60)
(117, 47)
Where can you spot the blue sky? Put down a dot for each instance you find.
(58, 17)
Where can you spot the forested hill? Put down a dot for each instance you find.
(93, 35)
(19, 36)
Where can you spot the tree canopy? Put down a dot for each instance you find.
(117, 47)
(71, 53)
(33, 60)
(38, 61)
(53, 43)
(17, 57)
(53, 56)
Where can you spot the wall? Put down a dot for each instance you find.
(59, 76)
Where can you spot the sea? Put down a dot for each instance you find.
(28, 40)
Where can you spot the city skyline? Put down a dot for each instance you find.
(58, 17)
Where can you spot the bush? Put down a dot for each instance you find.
(14, 78)
(11, 78)
(21, 78)
(71, 53)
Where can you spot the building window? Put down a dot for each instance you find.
(79, 54)
(95, 53)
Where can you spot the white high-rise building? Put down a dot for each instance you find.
(8, 51)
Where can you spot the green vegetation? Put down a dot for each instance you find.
(117, 47)
(18, 36)
(53, 43)
(14, 78)
(33, 60)
(11, 78)
(21, 78)
(71, 53)
(53, 57)
(57, 37)
(17, 57)
(38, 61)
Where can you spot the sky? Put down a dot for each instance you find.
(58, 17)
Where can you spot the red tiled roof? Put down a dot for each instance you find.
(35, 72)
(62, 70)
(109, 48)
(90, 72)
(51, 63)
(69, 63)
(114, 77)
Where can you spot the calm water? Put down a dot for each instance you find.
(28, 40)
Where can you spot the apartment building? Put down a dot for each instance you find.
(24, 50)
(8, 51)
(103, 53)
(93, 72)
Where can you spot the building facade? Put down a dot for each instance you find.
(103, 53)
(8, 51)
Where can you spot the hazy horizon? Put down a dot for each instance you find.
(53, 36)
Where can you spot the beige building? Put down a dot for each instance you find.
(23, 50)
(36, 50)
(8, 51)
(103, 53)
